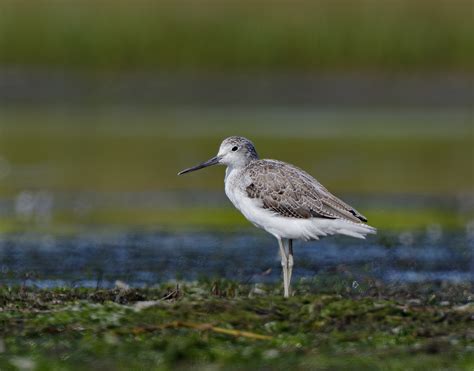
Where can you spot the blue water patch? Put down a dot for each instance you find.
(98, 259)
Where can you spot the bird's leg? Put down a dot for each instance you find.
(288, 248)
(284, 265)
(290, 261)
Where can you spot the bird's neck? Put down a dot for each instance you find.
(232, 170)
(240, 165)
(236, 169)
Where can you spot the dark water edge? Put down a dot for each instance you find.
(143, 258)
(55, 86)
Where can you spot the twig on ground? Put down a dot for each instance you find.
(202, 327)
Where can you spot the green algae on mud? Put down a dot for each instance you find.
(408, 327)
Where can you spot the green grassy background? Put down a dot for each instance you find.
(232, 36)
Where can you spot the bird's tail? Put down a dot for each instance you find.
(323, 227)
(357, 230)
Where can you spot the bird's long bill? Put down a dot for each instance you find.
(212, 161)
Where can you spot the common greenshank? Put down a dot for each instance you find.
(282, 199)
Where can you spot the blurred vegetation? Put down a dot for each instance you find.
(225, 325)
(225, 218)
(81, 143)
(228, 218)
(109, 150)
(211, 35)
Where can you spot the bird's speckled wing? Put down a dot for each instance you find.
(291, 192)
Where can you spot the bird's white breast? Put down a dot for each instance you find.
(236, 183)
(235, 186)
(235, 189)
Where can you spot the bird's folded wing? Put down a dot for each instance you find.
(291, 192)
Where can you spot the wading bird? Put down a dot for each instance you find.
(282, 199)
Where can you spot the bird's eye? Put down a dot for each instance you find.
(235, 148)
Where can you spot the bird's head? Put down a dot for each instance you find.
(233, 151)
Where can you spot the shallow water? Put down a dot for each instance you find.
(140, 258)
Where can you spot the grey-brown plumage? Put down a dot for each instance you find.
(291, 192)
